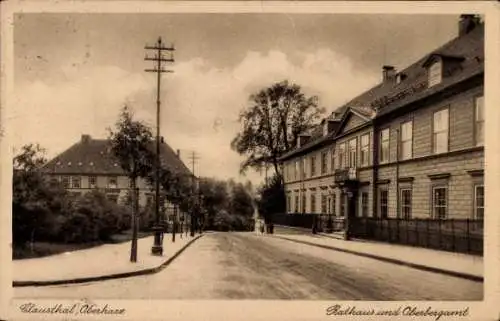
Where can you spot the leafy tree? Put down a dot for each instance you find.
(131, 143)
(34, 200)
(272, 198)
(271, 124)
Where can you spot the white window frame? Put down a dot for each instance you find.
(341, 156)
(324, 204)
(313, 165)
(476, 207)
(324, 162)
(352, 150)
(365, 150)
(380, 191)
(76, 179)
(362, 212)
(402, 205)
(435, 206)
(445, 131)
(110, 185)
(94, 184)
(406, 144)
(435, 73)
(479, 121)
(312, 202)
(384, 145)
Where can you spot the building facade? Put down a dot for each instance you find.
(410, 147)
(90, 165)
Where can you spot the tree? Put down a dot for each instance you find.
(272, 199)
(131, 143)
(29, 208)
(271, 124)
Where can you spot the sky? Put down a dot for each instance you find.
(74, 72)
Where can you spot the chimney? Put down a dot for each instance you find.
(388, 73)
(467, 23)
(162, 140)
(179, 153)
(85, 139)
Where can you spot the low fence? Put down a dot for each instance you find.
(456, 235)
(321, 222)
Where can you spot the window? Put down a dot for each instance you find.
(76, 182)
(92, 181)
(365, 150)
(435, 73)
(406, 203)
(406, 151)
(332, 165)
(384, 199)
(479, 202)
(440, 132)
(352, 152)
(364, 204)
(341, 156)
(304, 200)
(112, 182)
(296, 204)
(343, 204)
(439, 202)
(304, 169)
(324, 163)
(479, 121)
(384, 145)
(334, 204)
(313, 203)
(324, 208)
(288, 204)
(65, 181)
(313, 166)
(296, 174)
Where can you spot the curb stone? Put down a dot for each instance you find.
(109, 276)
(417, 266)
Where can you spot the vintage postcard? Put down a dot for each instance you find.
(249, 160)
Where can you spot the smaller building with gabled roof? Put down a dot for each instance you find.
(89, 164)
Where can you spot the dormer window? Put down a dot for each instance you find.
(435, 73)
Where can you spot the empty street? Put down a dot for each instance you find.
(252, 266)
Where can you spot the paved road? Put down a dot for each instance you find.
(250, 266)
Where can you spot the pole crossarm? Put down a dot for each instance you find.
(158, 70)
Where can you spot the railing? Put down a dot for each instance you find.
(346, 174)
(322, 222)
(456, 235)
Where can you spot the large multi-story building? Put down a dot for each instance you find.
(90, 165)
(410, 147)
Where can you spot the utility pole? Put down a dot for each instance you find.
(159, 48)
(194, 215)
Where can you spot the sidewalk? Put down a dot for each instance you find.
(103, 262)
(456, 264)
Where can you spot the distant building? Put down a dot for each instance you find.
(410, 147)
(90, 165)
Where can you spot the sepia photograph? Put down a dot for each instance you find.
(247, 156)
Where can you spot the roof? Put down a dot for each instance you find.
(94, 156)
(390, 96)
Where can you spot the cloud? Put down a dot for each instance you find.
(200, 103)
